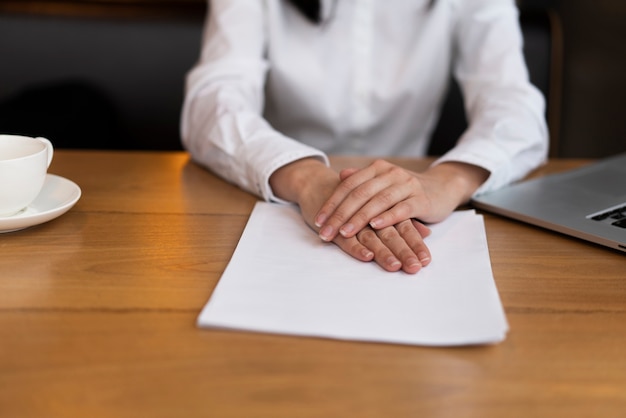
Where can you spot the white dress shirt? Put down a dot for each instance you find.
(271, 88)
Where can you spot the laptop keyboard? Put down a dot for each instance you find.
(615, 216)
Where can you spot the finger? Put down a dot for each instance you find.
(355, 197)
(362, 213)
(347, 172)
(355, 178)
(393, 238)
(413, 233)
(380, 202)
(404, 208)
(388, 207)
(383, 256)
(354, 248)
(423, 230)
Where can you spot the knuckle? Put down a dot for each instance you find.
(360, 193)
(340, 215)
(386, 197)
(347, 185)
(367, 237)
(379, 163)
(355, 248)
(417, 246)
(360, 220)
(329, 207)
(403, 209)
(414, 183)
(387, 234)
(405, 228)
(397, 171)
(405, 254)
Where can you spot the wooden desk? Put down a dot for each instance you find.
(98, 310)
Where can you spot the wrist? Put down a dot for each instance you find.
(293, 181)
(460, 179)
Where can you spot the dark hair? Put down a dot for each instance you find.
(311, 9)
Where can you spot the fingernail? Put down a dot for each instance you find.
(375, 222)
(393, 262)
(424, 257)
(346, 229)
(319, 221)
(367, 254)
(326, 233)
(413, 263)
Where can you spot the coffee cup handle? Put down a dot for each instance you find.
(48, 145)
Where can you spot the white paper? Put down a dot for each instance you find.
(283, 279)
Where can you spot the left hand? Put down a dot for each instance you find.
(384, 194)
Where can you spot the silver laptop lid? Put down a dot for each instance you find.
(587, 203)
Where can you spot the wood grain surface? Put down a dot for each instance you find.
(98, 310)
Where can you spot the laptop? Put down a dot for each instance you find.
(588, 203)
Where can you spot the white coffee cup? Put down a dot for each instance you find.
(24, 162)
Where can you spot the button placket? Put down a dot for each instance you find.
(362, 38)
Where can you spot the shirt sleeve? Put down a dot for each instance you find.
(221, 123)
(507, 133)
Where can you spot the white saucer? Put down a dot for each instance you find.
(57, 196)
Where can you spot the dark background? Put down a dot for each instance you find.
(137, 56)
(593, 120)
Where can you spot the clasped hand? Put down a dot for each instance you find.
(369, 213)
(386, 199)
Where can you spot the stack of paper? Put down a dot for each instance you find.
(283, 279)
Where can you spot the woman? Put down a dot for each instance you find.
(281, 84)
